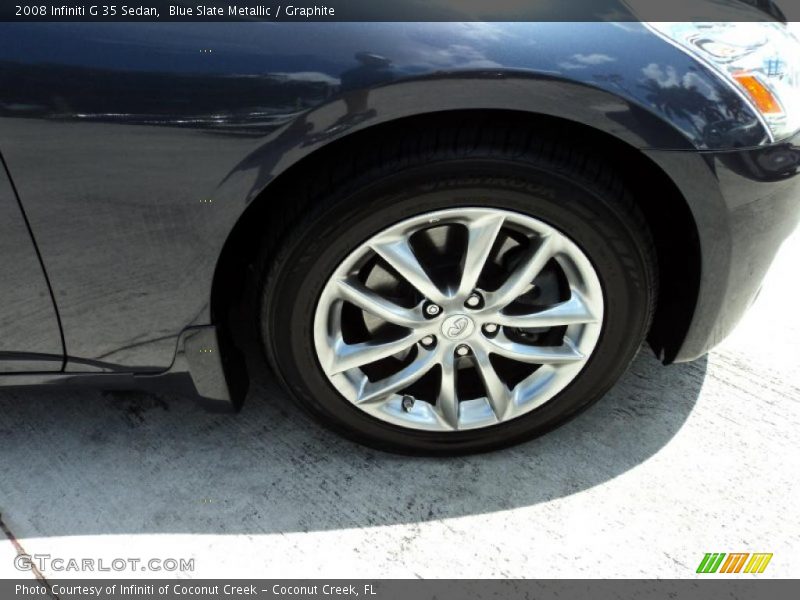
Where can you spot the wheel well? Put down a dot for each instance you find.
(668, 215)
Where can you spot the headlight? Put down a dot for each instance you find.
(761, 60)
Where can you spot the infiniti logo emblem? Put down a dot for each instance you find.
(458, 327)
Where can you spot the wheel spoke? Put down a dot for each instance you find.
(447, 401)
(364, 298)
(497, 393)
(483, 232)
(569, 312)
(528, 393)
(373, 391)
(520, 279)
(541, 355)
(401, 258)
(348, 356)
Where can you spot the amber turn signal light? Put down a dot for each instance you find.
(758, 92)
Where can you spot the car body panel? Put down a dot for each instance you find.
(136, 148)
(745, 203)
(31, 339)
(204, 367)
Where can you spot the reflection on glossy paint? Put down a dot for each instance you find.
(115, 132)
(258, 76)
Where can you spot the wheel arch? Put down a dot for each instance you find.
(667, 212)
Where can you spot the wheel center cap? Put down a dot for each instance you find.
(458, 327)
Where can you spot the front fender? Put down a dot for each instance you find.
(149, 150)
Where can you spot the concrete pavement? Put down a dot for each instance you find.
(673, 463)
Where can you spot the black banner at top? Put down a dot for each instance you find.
(398, 10)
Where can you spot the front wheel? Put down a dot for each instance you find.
(460, 303)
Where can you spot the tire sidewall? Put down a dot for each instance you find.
(335, 228)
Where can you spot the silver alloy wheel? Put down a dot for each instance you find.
(518, 311)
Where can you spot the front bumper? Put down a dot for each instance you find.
(745, 203)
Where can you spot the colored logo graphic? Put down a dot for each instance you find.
(713, 562)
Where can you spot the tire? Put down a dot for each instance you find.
(563, 187)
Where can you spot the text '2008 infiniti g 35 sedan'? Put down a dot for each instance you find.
(447, 237)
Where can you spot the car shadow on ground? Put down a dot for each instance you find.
(84, 462)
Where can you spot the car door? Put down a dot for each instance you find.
(30, 338)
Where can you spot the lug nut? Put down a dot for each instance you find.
(427, 341)
(462, 350)
(490, 328)
(473, 301)
(432, 310)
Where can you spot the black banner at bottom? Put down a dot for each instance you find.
(397, 589)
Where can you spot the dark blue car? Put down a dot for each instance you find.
(447, 237)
